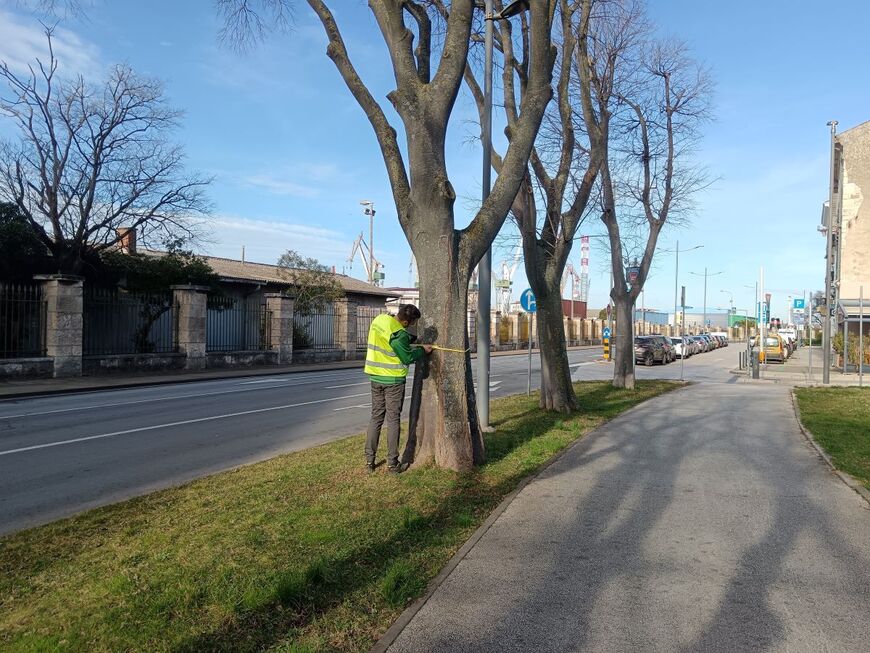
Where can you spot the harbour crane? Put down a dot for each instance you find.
(361, 247)
(504, 284)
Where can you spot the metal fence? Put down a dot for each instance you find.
(234, 324)
(364, 317)
(22, 321)
(316, 330)
(116, 322)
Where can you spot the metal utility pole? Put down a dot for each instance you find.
(829, 233)
(369, 210)
(704, 325)
(676, 281)
(484, 268)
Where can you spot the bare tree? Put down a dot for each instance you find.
(90, 160)
(561, 172)
(650, 100)
(428, 77)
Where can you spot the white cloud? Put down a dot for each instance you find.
(22, 41)
(266, 240)
(298, 180)
(280, 186)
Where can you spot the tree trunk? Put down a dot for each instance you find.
(557, 391)
(448, 432)
(622, 345)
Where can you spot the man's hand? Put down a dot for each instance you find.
(427, 348)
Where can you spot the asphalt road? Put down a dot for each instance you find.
(60, 455)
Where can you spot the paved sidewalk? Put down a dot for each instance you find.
(699, 521)
(796, 371)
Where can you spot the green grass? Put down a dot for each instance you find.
(304, 552)
(839, 419)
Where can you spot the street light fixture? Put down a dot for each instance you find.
(731, 301)
(484, 267)
(369, 210)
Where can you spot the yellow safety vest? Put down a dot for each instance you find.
(381, 360)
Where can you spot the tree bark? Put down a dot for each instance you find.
(557, 391)
(622, 345)
(448, 432)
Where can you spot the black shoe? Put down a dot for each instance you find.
(398, 468)
(370, 467)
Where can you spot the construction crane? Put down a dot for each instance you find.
(361, 247)
(504, 284)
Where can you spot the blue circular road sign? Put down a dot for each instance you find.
(527, 301)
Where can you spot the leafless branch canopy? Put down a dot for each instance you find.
(91, 159)
(246, 22)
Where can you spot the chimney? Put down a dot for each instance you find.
(243, 254)
(126, 239)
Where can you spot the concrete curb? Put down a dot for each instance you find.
(393, 632)
(851, 482)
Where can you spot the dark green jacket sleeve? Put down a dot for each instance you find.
(400, 341)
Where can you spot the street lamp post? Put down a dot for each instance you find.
(484, 267)
(826, 324)
(677, 277)
(730, 301)
(705, 275)
(369, 210)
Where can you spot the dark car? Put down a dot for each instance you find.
(649, 350)
(670, 350)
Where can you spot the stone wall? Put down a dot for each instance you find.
(31, 368)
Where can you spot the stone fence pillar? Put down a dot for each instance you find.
(281, 333)
(63, 323)
(191, 305)
(345, 327)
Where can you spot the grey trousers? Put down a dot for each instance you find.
(387, 401)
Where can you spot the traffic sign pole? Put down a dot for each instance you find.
(527, 301)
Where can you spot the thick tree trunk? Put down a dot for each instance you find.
(557, 391)
(622, 345)
(448, 431)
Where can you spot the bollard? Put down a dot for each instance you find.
(756, 366)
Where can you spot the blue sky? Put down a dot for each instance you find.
(292, 154)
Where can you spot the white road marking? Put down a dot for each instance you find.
(153, 399)
(170, 424)
(581, 364)
(346, 385)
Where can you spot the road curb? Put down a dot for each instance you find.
(393, 632)
(850, 481)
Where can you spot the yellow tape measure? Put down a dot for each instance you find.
(458, 351)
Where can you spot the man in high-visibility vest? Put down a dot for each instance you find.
(388, 356)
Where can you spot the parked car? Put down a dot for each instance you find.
(722, 336)
(774, 348)
(669, 348)
(649, 350)
(682, 347)
(703, 345)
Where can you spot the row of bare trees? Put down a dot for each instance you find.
(600, 119)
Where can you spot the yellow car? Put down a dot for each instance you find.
(774, 348)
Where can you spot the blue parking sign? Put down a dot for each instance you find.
(527, 301)
(799, 303)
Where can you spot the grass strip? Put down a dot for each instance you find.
(839, 419)
(303, 552)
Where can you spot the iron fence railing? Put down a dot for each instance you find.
(234, 324)
(364, 317)
(22, 321)
(316, 330)
(117, 322)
